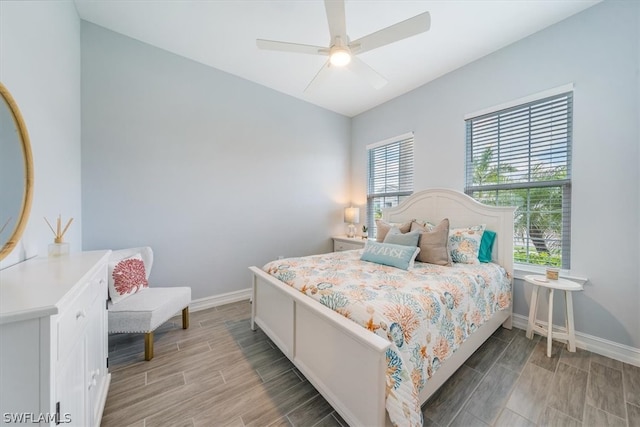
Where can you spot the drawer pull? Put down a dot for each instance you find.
(93, 381)
(80, 314)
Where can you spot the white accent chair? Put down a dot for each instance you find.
(149, 308)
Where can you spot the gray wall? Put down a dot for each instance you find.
(40, 65)
(598, 51)
(214, 172)
(217, 173)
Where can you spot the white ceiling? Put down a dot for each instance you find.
(222, 34)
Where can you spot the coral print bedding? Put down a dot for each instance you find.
(426, 312)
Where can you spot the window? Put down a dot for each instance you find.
(390, 170)
(521, 156)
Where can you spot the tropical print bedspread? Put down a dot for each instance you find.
(426, 313)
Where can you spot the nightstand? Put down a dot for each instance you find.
(344, 243)
(568, 287)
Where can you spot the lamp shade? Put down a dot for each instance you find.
(351, 215)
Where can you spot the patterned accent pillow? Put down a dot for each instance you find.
(398, 256)
(126, 277)
(384, 227)
(464, 244)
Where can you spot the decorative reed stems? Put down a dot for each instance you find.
(59, 231)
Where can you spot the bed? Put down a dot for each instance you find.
(346, 362)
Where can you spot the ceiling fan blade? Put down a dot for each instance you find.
(320, 76)
(291, 47)
(366, 72)
(336, 19)
(402, 30)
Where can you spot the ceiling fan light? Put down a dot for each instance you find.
(340, 57)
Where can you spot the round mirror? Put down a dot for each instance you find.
(16, 173)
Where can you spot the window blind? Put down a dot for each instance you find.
(521, 156)
(390, 176)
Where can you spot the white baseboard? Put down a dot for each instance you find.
(621, 352)
(216, 300)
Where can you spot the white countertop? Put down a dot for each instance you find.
(37, 287)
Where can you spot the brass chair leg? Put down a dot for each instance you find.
(148, 346)
(148, 337)
(185, 318)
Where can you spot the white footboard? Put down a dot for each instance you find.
(345, 362)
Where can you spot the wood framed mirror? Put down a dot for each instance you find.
(16, 173)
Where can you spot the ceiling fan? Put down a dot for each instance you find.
(342, 52)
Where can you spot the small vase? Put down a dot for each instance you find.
(58, 249)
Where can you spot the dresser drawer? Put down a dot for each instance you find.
(74, 319)
(346, 246)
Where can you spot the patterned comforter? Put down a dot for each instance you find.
(426, 313)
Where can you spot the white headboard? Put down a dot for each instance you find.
(438, 203)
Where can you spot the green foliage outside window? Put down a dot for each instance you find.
(538, 218)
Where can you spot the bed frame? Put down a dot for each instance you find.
(316, 339)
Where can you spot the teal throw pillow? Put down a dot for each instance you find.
(399, 256)
(397, 237)
(486, 246)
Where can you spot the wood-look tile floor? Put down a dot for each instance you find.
(220, 373)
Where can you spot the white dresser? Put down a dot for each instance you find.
(53, 340)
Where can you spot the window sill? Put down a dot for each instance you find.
(521, 270)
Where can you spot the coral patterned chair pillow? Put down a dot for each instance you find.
(126, 277)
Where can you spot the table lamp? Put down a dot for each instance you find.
(351, 217)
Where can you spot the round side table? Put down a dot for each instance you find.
(568, 287)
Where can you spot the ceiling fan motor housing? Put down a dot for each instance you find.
(339, 54)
